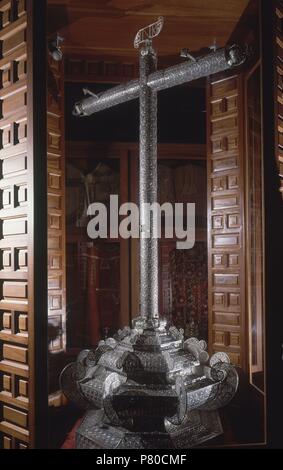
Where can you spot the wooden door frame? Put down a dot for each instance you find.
(273, 257)
(273, 240)
(37, 218)
(23, 344)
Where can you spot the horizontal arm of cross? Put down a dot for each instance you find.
(185, 72)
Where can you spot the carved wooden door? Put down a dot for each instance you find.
(226, 274)
(23, 224)
(278, 59)
(56, 221)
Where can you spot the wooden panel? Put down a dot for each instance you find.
(89, 69)
(15, 353)
(20, 159)
(15, 416)
(108, 27)
(225, 219)
(14, 162)
(56, 208)
(278, 13)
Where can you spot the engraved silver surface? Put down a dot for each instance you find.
(214, 62)
(147, 388)
(148, 187)
(188, 71)
(152, 394)
(145, 35)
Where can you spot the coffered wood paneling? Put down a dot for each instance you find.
(20, 160)
(56, 208)
(226, 219)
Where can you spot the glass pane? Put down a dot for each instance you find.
(255, 228)
(183, 273)
(93, 267)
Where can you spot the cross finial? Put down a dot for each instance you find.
(145, 35)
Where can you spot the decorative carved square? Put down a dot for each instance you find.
(6, 259)
(22, 323)
(128, 70)
(224, 87)
(7, 321)
(225, 125)
(6, 75)
(23, 388)
(54, 181)
(235, 358)
(14, 227)
(234, 221)
(224, 164)
(21, 131)
(15, 353)
(225, 318)
(55, 333)
(235, 339)
(54, 221)
(225, 241)
(14, 165)
(5, 14)
(234, 300)
(219, 184)
(21, 445)
(218, 222)
(54, 141)
(6, 136)
(55, 302)
(7, 383)
(219, 260)
(21, 8)
(6, 198)
(15, 41)
(15, 290)
(54, 261)
(218, 299)
(234, 261)
(21, 258)
(221, 338)
(14, 416)
(7, 443)
(55, 282)
(216, 146)
(54, 201)
(233, 182)
(21, 195)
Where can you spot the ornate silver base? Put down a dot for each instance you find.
(198, 427)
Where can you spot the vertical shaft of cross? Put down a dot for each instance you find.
(148, 189)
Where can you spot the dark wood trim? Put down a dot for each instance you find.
(273, 232)
(37, 220)
(237, 353)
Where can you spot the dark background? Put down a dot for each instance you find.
(181, 117)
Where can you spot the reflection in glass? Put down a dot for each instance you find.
(255, 227)
(93, 267)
